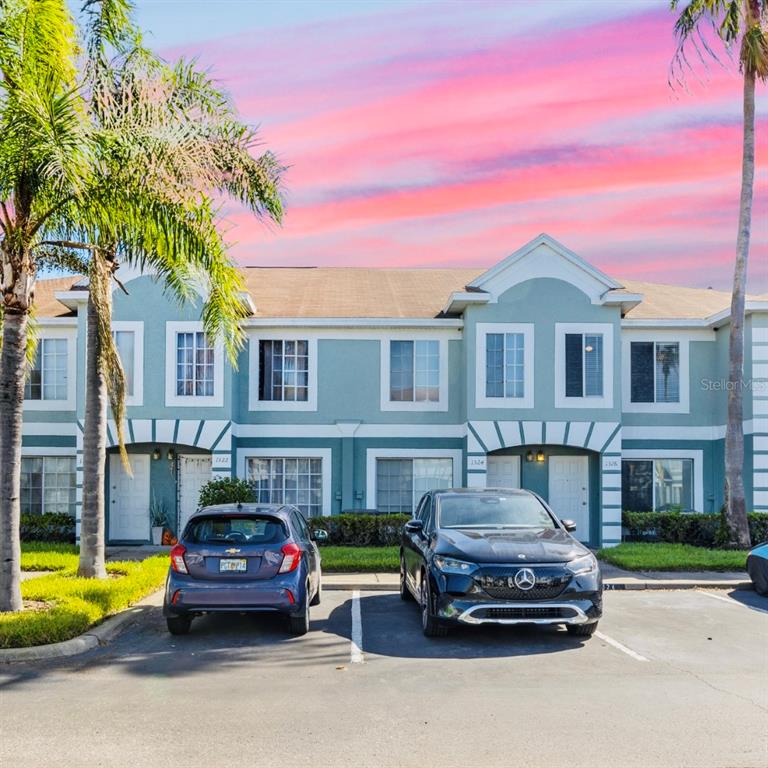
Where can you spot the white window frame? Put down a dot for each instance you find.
(481, 399)
(441, 404)
(68, 403)
(137, 328)
(172, 329)
(659, 337)
(58, 453)
(324, 454)
(587, 401)
(373, 454)
(697, 492)
(254, 403)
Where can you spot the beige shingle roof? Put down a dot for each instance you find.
(348, 292)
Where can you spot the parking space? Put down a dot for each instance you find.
(676, 678)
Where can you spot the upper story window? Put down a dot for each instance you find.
(284, 370)
(583, 365)
(47, 378)
(655, 372)
(125, 342)
(504, 365)
(414, 371)
(194, 366)
(129, 342)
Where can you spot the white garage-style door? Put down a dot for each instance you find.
(129, 499)
(569, 491)
(503, 472)
(194, 473)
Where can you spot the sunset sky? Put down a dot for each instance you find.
(449, 133)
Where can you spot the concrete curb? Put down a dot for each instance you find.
(101, 634)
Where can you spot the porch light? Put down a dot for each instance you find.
(529, 456)
(540, 455)
(156, 454)
(171, 454)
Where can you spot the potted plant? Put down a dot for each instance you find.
(158, 514)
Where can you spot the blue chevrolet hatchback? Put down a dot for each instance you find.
(244, 558)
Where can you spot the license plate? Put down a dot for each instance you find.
(232, 564)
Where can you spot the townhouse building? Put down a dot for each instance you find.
(359, 389)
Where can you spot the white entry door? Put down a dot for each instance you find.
(129, 499)
(194, 473)
(503, 472)
(569, 491)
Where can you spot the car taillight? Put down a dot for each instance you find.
(177, 558)
(291, 557)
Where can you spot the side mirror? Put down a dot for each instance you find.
(319, 534)
(414, 526)
(569, 525)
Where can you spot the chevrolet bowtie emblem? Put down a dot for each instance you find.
(231, 551)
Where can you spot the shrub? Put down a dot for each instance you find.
(361, 530)
(676, 528)
(226, 490)
(48, 527)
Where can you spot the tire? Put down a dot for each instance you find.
(759, 577)
(405, 593)
(298, 623)
(582, 630)
(319, 594)
(431, 626)
(178, 625)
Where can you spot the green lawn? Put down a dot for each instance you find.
(60, 605)
(673, 557)
(361, 559)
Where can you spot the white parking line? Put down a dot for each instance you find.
(732, 601)
(620, 647)
(356, 644)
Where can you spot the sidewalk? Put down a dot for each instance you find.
(613, 579)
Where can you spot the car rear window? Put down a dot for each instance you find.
(243, 529)
(492, 511)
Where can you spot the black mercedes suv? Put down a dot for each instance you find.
(497, 556)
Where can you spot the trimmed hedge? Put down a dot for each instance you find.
(361, 530)
(226, 490)
(48, 527)
(677, 528)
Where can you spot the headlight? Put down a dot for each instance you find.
(582, 565)
(450, 565)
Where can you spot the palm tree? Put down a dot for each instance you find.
(166, 139)
(742, 23)
(45, 164)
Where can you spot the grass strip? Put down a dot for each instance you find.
(673, 557)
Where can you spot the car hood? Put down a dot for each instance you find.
(508, 545)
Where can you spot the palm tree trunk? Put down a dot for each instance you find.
(736, 505)
(12, 373)
(92, 519)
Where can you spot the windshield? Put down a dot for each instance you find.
(243, 529)
(493, 511)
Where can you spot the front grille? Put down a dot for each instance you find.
(550, 582)
(520, 613)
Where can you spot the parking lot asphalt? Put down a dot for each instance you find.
(673, 679)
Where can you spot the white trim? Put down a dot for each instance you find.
(192, 401)
(137, 327)
(41, 451)
(697, 502)
(56, 322)
(674, 433)
(669, 337)
(481, 332)
(49, 428)
(352, 322)
(254, 404)
(326, 454)
(384, 350)
(551, 259)
(372, 454)
(364, 430)
(606, 400)
(68, 403)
